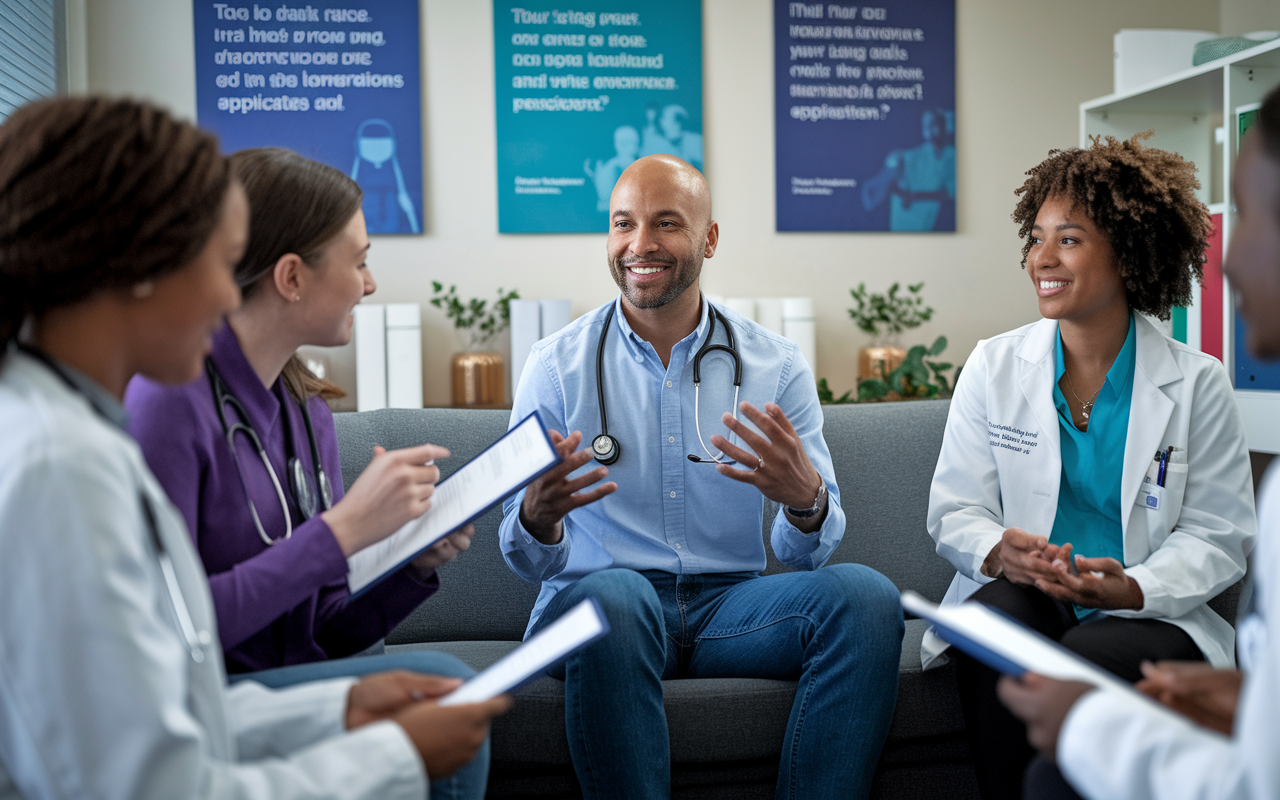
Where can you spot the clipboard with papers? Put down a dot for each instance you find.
(574, 630)
(516, 459)
(1006, 645)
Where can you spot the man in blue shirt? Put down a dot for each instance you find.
(672, 549)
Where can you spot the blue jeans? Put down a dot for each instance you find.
(467, 783)
(837, 630)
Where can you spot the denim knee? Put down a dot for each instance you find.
(870, 600)
(625, 596)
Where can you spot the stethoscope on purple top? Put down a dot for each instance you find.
(299, 484)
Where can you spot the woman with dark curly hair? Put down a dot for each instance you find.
(1222, 741)
(1094, 481)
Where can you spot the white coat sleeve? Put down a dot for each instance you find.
(1113, 745)
(1216, 528)
(966, 518)
(271, 723)
(95, 683)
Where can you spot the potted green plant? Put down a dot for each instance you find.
(916, 378)
(885, 317)
(478, 374)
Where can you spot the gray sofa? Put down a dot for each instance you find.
(726, 734)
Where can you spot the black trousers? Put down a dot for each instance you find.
(997, 739)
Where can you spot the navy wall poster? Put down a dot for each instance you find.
(337, 82)
(865, 118)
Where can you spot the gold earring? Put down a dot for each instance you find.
(143, 289)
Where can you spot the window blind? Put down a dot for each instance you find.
(32, 51)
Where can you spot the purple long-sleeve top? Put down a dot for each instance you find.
(276, 605)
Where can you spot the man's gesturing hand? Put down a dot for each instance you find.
(779, 467)
(548, 499)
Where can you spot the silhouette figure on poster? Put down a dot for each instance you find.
(626, 146)
(385, 195)
(919, 181)
(664, 132)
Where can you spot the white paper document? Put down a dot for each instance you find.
(1005, 645)
(581, 626)
(524, 453)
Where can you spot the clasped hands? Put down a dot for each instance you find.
(447, 738)
(1031, 560)
(1207, 696)
(779, 467)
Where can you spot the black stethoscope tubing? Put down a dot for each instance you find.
(298, 483)
(196, 640)
(607, 449)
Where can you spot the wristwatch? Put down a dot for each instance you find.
(805, 513)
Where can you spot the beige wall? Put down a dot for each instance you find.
(1023, 68)
(1244, 16)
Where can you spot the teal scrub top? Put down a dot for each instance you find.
(1089, 513)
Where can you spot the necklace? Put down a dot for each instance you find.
(1085, 405)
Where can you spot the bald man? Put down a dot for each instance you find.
(671, 547)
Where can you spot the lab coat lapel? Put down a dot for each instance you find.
(1035, 377)
(1149, 412)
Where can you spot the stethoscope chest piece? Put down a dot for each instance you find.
(606, 449)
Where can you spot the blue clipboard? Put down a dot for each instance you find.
(512, 490)
(926, 610)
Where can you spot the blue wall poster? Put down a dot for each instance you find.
(581, 95)
(864, 106)
(338, 82)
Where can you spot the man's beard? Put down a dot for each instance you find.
(685, 274)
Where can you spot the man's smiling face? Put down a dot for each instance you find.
(659, 220)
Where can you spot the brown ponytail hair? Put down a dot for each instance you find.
(297, 206)
(99, 194)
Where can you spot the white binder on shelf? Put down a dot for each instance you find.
(371, 356)
(555, 315)
(404, 355)
(799, 325)
(526, 329)
(769, 313)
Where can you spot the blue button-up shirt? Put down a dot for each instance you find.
(1093, 462)
(668, 513)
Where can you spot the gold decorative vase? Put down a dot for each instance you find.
(479, 379)
(877, 361)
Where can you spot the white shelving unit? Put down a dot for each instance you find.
(1185, 109)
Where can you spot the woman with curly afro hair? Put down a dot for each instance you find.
(1094, 481)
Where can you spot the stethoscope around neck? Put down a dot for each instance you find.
(299, 483)
(196, 639)
(607, 449)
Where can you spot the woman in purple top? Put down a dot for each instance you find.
(279, 582)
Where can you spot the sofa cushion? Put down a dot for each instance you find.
(709, 719)
(884, 456)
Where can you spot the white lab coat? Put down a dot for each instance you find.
(1001, 466)
(1117, 745)
(99, 694)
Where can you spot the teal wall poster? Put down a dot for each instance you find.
(864, 111)
(338, 82)
(581, 95)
